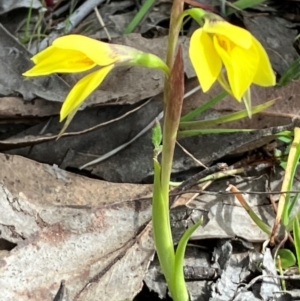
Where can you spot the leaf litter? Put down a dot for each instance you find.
(90, 238)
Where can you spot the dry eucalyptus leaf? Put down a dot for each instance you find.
(7, 6)
(86, 232)
(14, 60)
(16, 107)
(54, 186)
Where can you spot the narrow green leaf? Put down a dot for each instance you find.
(178, 278)
(292, 73)
(293, 204)
(296, 232)
(290, 224)
(191, 115)
(285, 139)
(292, 163)
(243, 4)
(189, 133)
(139, 16)
(288, 134)
(193, 125)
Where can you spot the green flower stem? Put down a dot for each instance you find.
(173, 98)
(172, 110)
(173, 106)
(175, 25)
(161, 227)
(139, 16)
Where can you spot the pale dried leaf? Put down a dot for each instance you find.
(48, 185)
(86, 232)
(7, 6)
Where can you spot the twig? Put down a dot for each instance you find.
(254, 280)
(191, 181)
(101, 22)
(190, 155)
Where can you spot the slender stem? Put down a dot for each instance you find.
(173, 96)
(169, 127)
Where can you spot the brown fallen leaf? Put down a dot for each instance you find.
(89, 233)
(60, 188)
(103, 251)
(15, 60)
(92, 234)
(16, 108)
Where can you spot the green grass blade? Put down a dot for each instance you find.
(296, 232)
(178, 281)
(193, 125)
(243, 4)
(190, 133)
(139, 16)
(293, 203)
(292, 73)
(191, 115)
(290, 225)
(292, 163)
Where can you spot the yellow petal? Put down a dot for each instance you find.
(54, 60)
(44, 54)
(101, 53)
(237, 35)
(82, 90)
(264, 76)
(204, 58)
(241, 65)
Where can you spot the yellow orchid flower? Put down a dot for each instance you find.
(219, 43)
(77, 53)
